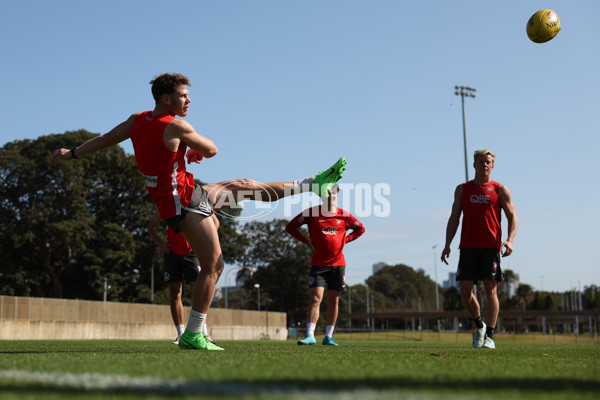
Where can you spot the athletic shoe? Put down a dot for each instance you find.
(308, 340)
(479, 336)
(210, 339)
(195, 341)
(328, 341)
(176, 341)
(324, 180)
(488, 343)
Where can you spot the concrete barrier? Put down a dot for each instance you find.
(26, 318)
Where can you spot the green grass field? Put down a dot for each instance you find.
(357, 369)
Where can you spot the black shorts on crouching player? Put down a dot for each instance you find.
(334, 278)
(180, 268)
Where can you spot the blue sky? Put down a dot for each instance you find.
(285, 88)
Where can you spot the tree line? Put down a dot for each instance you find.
(66, 230)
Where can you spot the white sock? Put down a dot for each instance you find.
(329, 330)
(310, 328)
(180, 329)
(196, 321)
(302, 185)
(205, 328)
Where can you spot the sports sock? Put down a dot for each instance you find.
(204, 328)
(478, 322)
(180, 329)
(196, 321)
(302, 185)
(310, 329)
(489, 332)
(329, 330)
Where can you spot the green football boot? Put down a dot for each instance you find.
(324, 180)
(196, 341)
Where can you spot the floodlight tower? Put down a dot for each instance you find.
(463, 91)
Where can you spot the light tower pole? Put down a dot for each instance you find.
(463, 91)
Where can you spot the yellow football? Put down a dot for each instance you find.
(544, 25)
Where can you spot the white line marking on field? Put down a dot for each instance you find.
(114, 382)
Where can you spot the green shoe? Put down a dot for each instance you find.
(196, 341)
(324, 180)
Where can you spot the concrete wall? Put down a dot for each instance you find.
(23, 318)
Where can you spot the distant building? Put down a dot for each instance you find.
(451, 282)
(378, 266)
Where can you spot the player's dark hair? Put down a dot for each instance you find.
(166, 83)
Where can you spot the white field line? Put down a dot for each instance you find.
(114, 382)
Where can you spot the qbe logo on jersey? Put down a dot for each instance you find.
(480, 199)
(330, 231)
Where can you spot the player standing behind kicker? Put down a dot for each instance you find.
(327, 228)
(481, 201)
(179, 265)
(160, 141)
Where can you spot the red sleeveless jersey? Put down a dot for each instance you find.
(177, 242)
(169, 185)
(482, 213)
(327, 233)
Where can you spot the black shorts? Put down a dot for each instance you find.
(180, 268)
(334, 278)
(477, 264)
(199, 204)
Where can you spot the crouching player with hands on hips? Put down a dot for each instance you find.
(327, 228)
(481, 201)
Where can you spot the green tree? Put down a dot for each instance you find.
(591, 297)
(452, 299)
(407, 288)
(64, 228)
(282, 264)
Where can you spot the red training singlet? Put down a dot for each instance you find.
(177, 242)
(169, 185)
(482, 213)
(327, 233)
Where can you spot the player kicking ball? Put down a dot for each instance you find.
(160, 139)
(327, 228)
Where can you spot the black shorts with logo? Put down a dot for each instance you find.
(478, 264)
(334, 278)
(199, 204)
(180, 268)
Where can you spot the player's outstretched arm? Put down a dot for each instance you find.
(118, 134)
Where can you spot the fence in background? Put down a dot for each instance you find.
(24, 318)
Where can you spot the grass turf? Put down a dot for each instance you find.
(273, 370)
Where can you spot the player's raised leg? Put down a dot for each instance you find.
(229, 193)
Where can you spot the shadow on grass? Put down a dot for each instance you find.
(318, 387)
